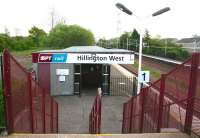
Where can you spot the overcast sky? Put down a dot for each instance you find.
(102, 17)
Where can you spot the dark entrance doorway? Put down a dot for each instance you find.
(91, 77)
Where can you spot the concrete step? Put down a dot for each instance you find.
(145, 135)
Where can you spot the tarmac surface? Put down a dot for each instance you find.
(73, 112)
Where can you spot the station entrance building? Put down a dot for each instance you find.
(77, 69)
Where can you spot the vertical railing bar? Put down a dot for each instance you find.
(7, 91)
(161, 99)
(191, 92)
(29, 78)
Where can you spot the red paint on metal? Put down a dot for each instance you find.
(161, 100)
(44, 76)
(35, 57)
(131, 114)
(29, 77)
(57, 117)
(191, 92)
(25, 100)
(168, 100)
(7, 91)
(95, 116)
(43, 111)
(52, 118)
(144, 91)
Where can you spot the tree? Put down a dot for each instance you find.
(38, 36)
(147, 37)
(22, 43)
(123, 39)
(136, 39)
(5, 42)
(62, 36)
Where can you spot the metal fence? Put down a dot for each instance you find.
(170, 102)
(95, 115)
(29, 108)
(122, 85)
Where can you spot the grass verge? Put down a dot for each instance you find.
(153, 73)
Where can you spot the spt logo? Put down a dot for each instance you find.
(45, 58)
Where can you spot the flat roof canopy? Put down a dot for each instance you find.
(86, 49)
(84, 54)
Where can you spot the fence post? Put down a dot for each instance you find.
(191, 92)
(29, 78)
(7, 91)
(100, 115)
(134, 86)
(161, 100)
(131, 114)
(43, 109)
(51, 115)
(2, 83)
(123, 121)
(144, 91)
(56, 117)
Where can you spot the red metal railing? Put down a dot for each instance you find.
(95, 115)
(29, 108)
(170, 102)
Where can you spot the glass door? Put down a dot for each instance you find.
(105, 79)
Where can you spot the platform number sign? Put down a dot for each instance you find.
(144, 76)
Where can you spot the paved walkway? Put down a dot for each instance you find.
(112, 114)
(74, 110)
(74, 113)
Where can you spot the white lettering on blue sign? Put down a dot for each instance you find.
(59, 58)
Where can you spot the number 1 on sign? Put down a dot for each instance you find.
(144, 76)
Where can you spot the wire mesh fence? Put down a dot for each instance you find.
(170, 102)
(122, 85)
(29, 108)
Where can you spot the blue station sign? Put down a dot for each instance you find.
(59, 58)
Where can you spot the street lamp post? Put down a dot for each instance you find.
(129, 12)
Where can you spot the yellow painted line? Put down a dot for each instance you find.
(103, 134)
(21, 133)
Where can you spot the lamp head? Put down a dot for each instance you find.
(123, 8)
(161, 11)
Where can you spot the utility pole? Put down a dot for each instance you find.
(52, 17)
(165, 48)
(127, 43)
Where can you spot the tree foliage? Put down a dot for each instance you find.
(38, 36)
(147, 37)
(5, 41)
(124, 38)
(152, 46)
(62, 36)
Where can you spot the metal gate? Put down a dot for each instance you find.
(95, 115)
(122, 86)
